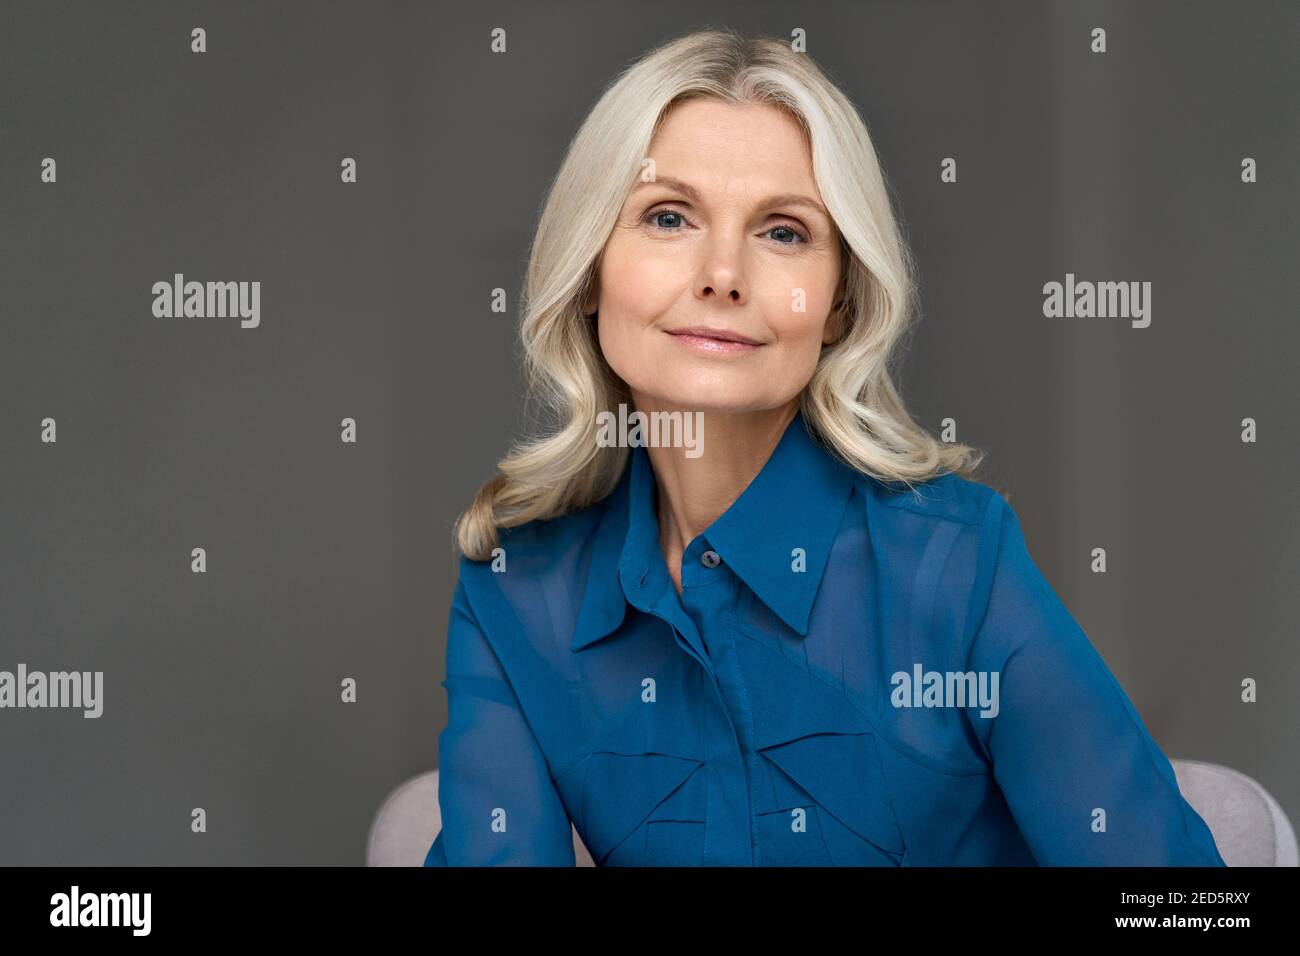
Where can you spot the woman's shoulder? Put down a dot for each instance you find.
(527, 595)
(948, 496)
(547, 536)
(542, 551)
(947, 534)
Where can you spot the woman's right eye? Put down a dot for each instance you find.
(655, 215)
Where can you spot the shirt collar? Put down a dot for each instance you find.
(797, 500)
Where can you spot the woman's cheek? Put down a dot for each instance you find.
(624, 343)
(792, 315)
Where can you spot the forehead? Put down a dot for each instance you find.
(719, 145)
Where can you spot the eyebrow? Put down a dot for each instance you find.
(686, 189)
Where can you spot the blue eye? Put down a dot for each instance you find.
(799, 237)
(655, 214)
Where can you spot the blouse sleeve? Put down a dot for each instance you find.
(498, 803)
(1086, 783)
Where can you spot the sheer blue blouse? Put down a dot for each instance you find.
(853, 674)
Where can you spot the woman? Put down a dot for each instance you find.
(810, 638)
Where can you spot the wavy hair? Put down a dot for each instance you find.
(850, 403)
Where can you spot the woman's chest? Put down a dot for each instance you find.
(723, 744)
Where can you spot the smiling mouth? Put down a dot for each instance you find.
(714, 340)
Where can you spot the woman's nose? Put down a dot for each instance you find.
(721, 272)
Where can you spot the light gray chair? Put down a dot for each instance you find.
(409, 819)
(1249, 827)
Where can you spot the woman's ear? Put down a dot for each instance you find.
(835, 325)
(592, 300)
(837, 321)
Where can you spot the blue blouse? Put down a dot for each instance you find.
(852, 674)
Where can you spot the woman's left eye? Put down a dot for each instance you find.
(798, 236)
(654, 215)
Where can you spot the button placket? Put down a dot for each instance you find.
(690, 639)
(711, 601)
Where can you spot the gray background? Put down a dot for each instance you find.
(328, 560)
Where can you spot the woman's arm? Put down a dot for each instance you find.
(1084, 780)
(499, 806)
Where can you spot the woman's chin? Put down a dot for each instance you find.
(709, 396)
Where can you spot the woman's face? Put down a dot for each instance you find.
(730, 236)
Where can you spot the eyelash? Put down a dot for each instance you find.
(651, 214)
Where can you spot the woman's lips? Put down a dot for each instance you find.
(704, 341)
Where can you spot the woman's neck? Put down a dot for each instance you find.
(694, 492)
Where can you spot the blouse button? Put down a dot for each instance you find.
(710, 559)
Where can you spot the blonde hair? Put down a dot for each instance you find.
(850, 403)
